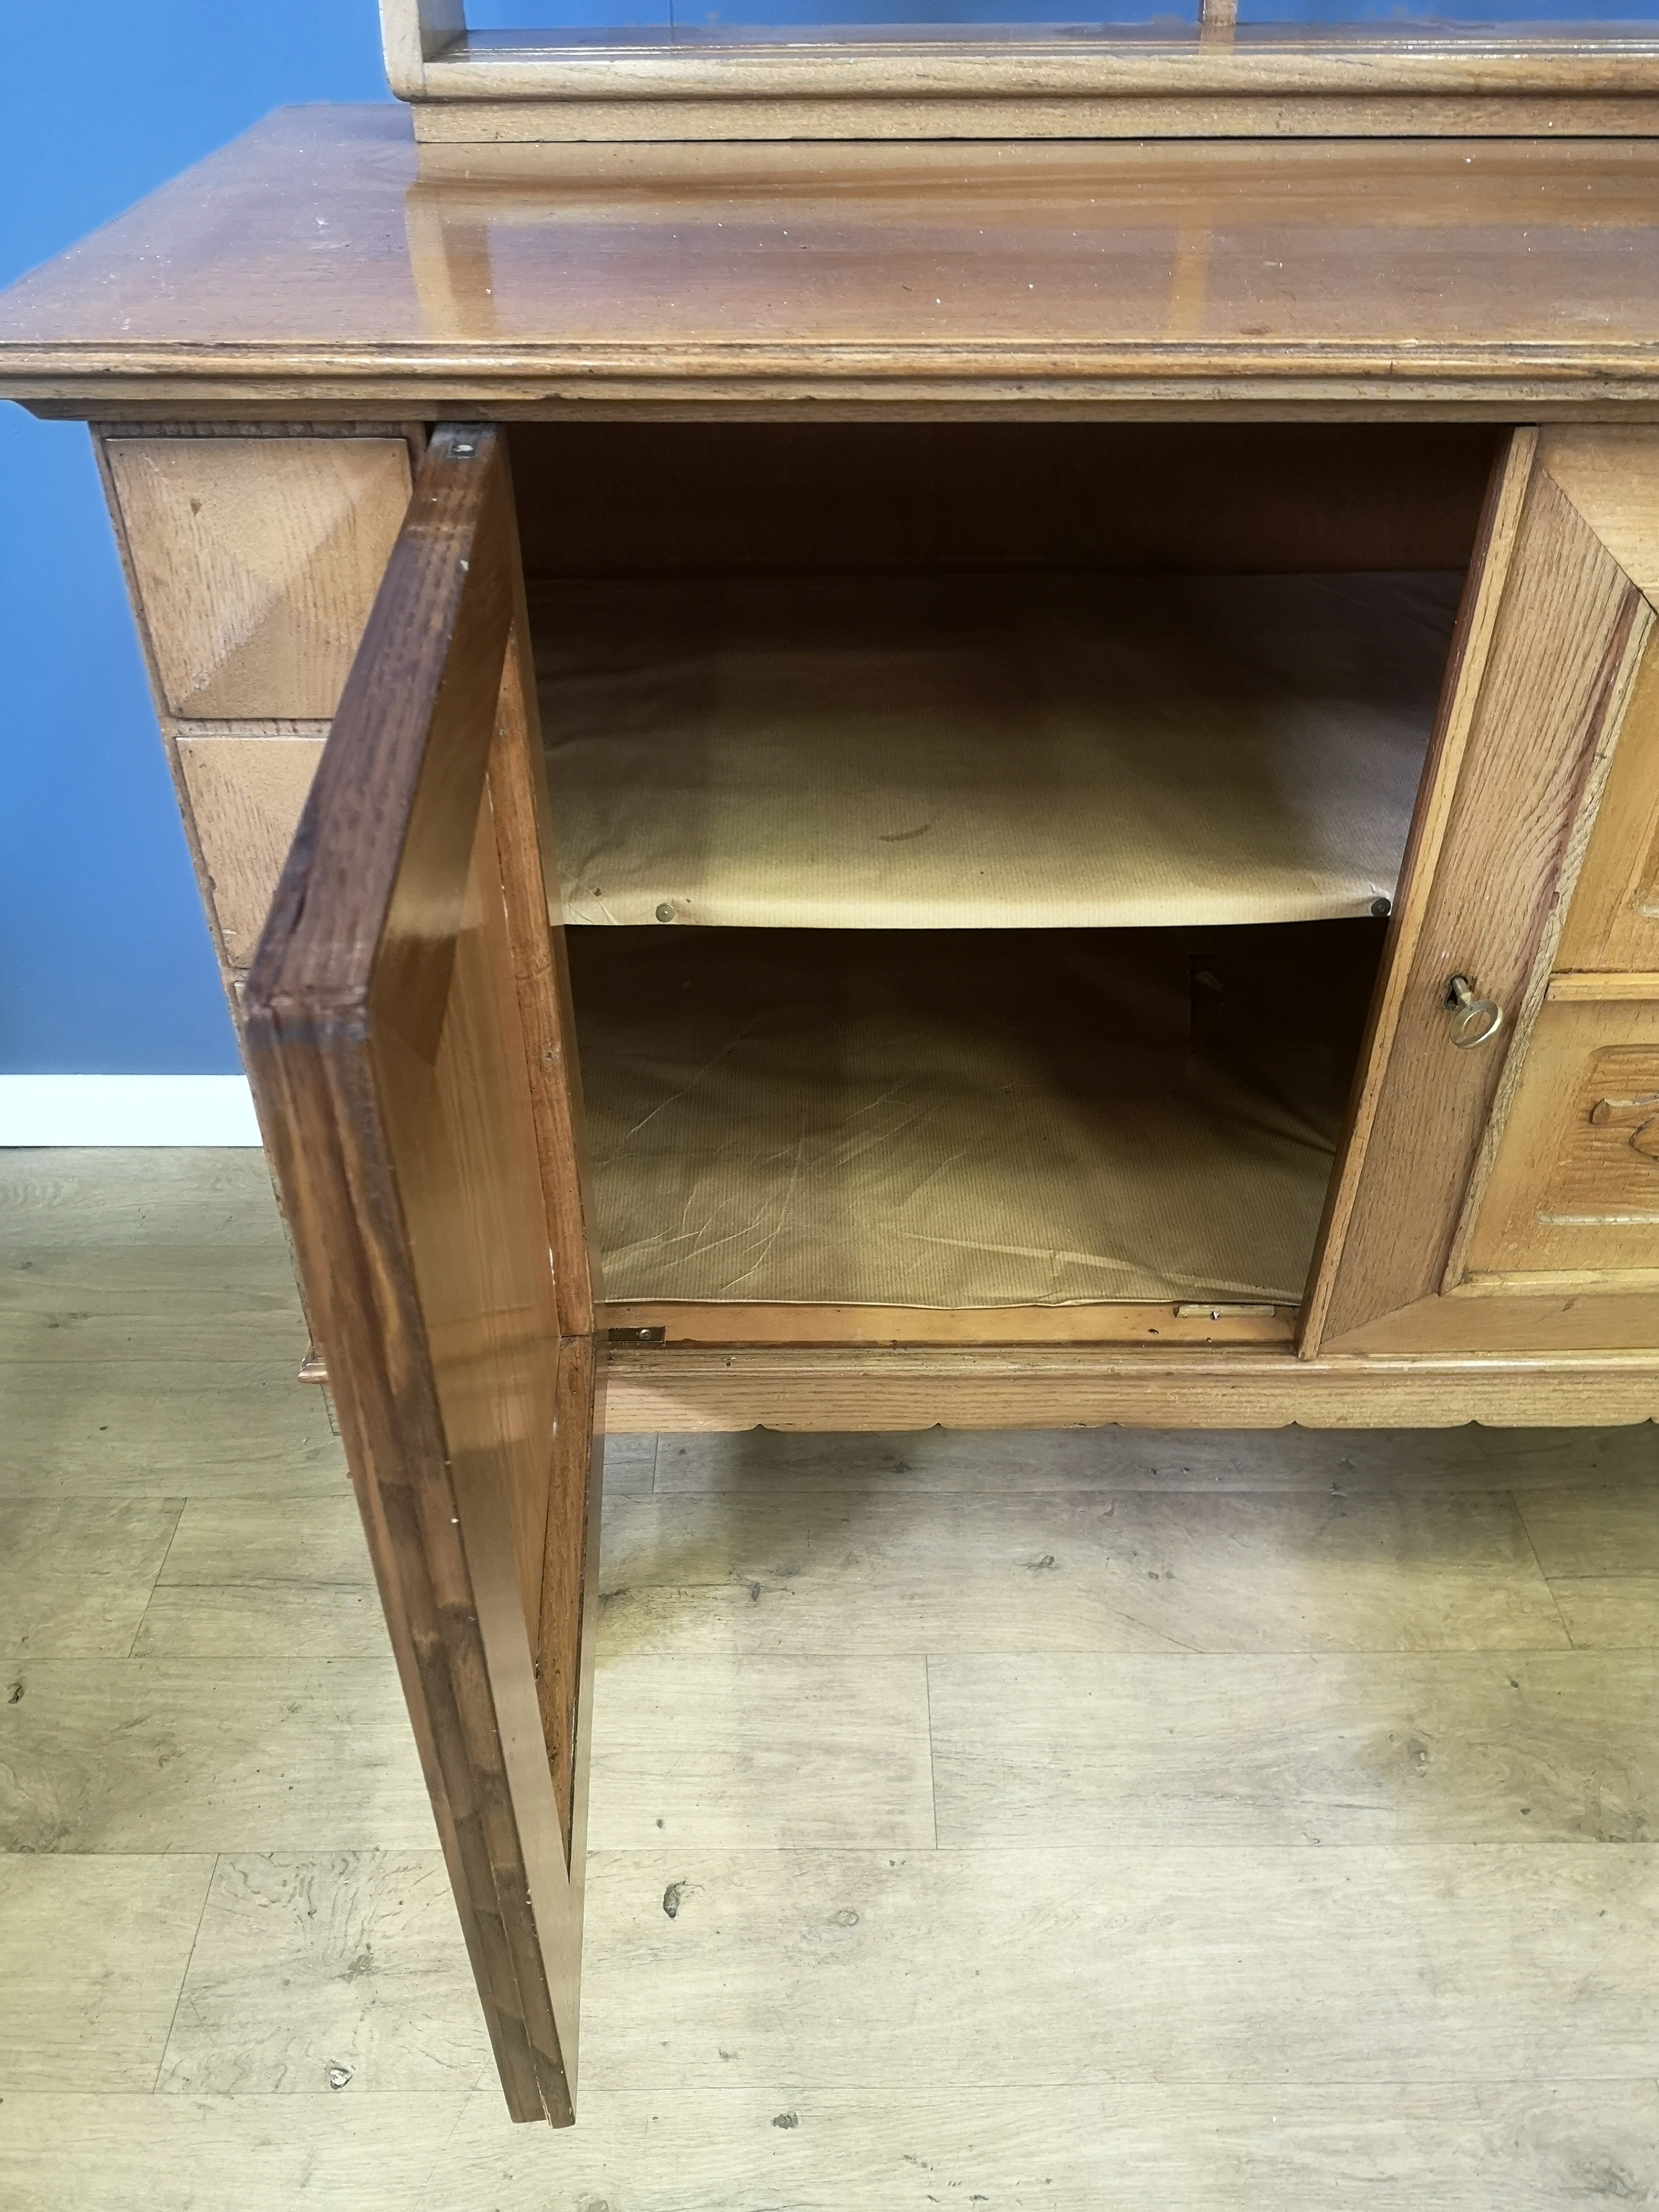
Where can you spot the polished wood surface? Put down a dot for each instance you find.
(314, 267)
(396, 1071)
(1528, 729)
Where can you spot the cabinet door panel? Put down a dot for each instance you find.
(408, 1038)
(1549, 680)
(1612, 924)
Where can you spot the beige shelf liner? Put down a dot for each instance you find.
(963, 1119)
(1001, 751)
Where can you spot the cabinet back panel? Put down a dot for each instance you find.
(671, 499)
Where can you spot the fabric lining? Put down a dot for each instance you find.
(1008, 750)
(965, 1119)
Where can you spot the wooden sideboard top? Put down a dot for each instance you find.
(322, 266)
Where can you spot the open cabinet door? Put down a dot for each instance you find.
(408, 1033)
(1499, 1191)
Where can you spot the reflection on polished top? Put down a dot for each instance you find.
(323, 260)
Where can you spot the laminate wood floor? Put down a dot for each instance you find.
(1094, 1822)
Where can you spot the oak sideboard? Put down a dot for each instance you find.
(1012, 783)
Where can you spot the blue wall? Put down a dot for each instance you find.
(105, 965)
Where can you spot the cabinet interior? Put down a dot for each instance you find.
(977, 841)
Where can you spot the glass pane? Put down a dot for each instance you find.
(496, 22)
(493, 22)
(1611, 19)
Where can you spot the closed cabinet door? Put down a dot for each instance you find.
(1500, 1190)
(408, 1042)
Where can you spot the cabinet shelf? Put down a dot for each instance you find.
(1014, 750)
(984, 1119)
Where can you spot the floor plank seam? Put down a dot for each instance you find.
(932, 1747)
(1532, 1542)
(178, 1523)
(184, 1979)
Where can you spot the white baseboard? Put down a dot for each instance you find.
(126, 1109)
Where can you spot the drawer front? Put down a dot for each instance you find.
(255, 562)
(253, 559)
(1574, 1187)
(245, 795)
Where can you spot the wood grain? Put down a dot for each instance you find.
(815, 272)
(365, 1947)
(1417, 2147)
(758, 1752)
(1579, 988)
(1123, 1964)
(991, 83)
(1074, 1751)
(1497, 538)
(246, 796)
(162, 1755)
(462, 126)
(252, 1578)
(397, 1075)
(130, 2154)
(1613, 923)
(1575, 1183)
(815, 1563)
(541, 972)
(688, 1388)
(1538, 1313)
(1610, 1613)
(100, 1427)
(1470, 2016)
(256, 563)
(1536, 733)
(1612, 476)
(93, 1953)
(1612, 1530)
(75, 1575)
(1201, 1462)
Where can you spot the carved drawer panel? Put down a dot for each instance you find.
(1575, 1179)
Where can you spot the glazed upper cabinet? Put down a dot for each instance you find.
(478, 70)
